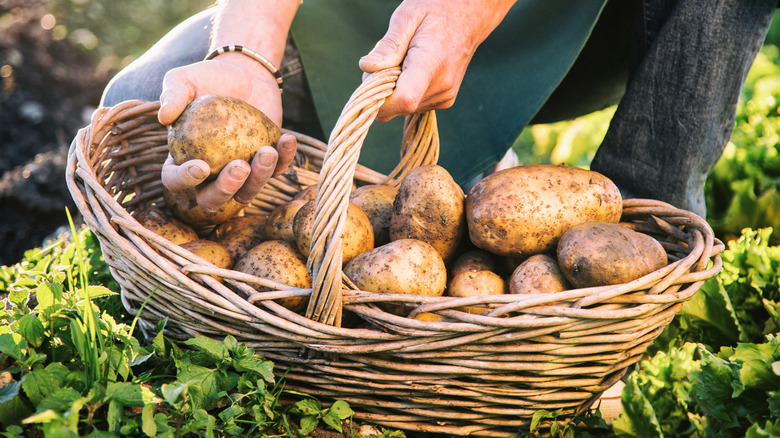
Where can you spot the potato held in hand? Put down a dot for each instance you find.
(599, 253)
(218, 130)
(524, 210)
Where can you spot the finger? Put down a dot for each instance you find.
(221, 190)
(176, 94)
(391, 49)
(410, 89)
(285, 147)
(180, 177)
(263, 166)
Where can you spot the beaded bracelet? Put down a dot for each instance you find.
(252, 54)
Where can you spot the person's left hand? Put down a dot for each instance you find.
(433, 41)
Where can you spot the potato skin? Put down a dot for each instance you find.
(183, 205)
(278, 260)
(524, 210)
(218, 130)
(600, 253)
(279, 225)
(159, 221)
(240, 233)
(472, 261)
(539, 273)
(475, 284)
(211, 251)
(406, 266)
(376, 201)
(358, 234)
(429, 207)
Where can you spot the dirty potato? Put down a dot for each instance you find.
(280, 261)
(279, 225)
(524, 210)
(157, 220)
(358, 234)
(538, 274)
(376, 201)
(218, 130)
(239, 234)
(601, 253)
(429, 206)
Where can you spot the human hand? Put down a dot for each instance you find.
(433, 41)
(231, 75)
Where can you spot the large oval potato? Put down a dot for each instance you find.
(239, 233)
(157, 220)
(358, 234)
(280, 261)
(429, 207)
(539, 273)
(524, 210)
(218, 130)
(601, 253)
(376, 201)
(405, 266)
(184, 206)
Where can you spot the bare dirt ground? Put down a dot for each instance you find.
(48, 90)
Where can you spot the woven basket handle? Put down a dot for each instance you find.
(420, 146)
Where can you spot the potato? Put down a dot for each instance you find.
(307, 194)
(405, 266)
(157, 220)
(476, 284)
(524, 210)
(358, 234)
(376, 201)
(210, 251)
(539, 273)
(429, 207)
(472, 261)
(240, 233)
(601, 253)
(184, 206)
(278, 260)
(218, 130)
(279, 225)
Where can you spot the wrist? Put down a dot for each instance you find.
(240, 55)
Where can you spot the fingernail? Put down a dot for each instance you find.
(238, 173)
(196, 172)
(267, 160)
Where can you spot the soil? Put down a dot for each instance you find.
(49, 89)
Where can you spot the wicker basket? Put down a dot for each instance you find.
(463, 375)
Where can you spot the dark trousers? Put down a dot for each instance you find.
(677, 74)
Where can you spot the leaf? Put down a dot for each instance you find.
(95, 291)
(307, 424)
(129, 393)
(31, 328)
(10, 391)
(341, 410)
(45, 297)
(38, 384)
(332, 420)
(308, 406)
(19, 297)
(638, 418)
(258, 365)
(12, 344)
(171, 392)
(114, 416)
(214, 349)
(148, 425)
(59, 399)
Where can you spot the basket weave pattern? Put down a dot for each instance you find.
(467, 374)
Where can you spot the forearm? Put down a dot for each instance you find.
(261, 25)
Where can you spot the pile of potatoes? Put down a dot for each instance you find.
(527, 229)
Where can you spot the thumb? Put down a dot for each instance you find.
(173, 100)
(391, 49)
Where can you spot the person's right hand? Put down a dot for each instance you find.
(231, 75)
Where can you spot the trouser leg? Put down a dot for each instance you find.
(678, 111)
(188, 43)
